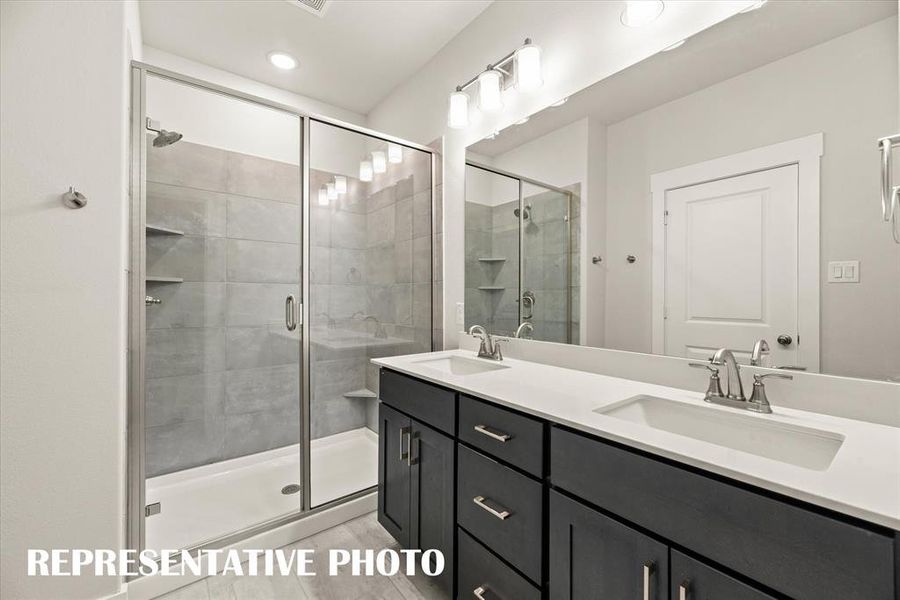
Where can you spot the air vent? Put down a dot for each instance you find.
(316, 7)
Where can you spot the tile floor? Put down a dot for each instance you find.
(364, 532)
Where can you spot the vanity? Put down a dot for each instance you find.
(542, 482)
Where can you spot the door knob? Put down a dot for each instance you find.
(785, 340)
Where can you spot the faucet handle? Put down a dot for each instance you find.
(708, 366)
(498, 355)
(714, 389)
(757, 377)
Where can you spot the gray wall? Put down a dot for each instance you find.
(222, 371)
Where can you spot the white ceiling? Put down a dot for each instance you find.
(735, 46)
(351, 57)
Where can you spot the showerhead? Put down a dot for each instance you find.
(527, 214)
(166, 138)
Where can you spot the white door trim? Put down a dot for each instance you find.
(804, 152)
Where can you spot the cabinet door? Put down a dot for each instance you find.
(593, 556)
(394, 435)
(694, 580)
(433, 470)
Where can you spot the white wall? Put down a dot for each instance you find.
(582, 42)
(558, 158)
(846, 88)
(63, 122)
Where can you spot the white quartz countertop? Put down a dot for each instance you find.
(863, 479)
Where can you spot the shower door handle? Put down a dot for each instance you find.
(290, 319)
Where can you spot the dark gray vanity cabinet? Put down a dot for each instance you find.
(594, 556)
(417, 467)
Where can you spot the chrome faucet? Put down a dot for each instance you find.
(734, 389)
(489, 348)
(760, 350)
(379, 328)
(525, 330)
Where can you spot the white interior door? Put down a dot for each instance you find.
(731, 266)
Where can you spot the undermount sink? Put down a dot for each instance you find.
(457, 365)
(793, 444)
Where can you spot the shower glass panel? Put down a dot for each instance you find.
(223, 254)
(547, 283)
(492, 251)
(370, 282)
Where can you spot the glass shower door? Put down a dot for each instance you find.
(547, 290)
(223, 256)
(370, 293)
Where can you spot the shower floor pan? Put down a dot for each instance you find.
(207, 502)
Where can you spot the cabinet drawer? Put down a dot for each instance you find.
(428, 403)
(694, 580)
(511, 437)
(502, 508)
(792, 549)
(480, 570)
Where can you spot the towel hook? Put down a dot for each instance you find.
(74, 199)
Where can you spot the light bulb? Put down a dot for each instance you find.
(282, 60)
(365, 170)
(379, 163)
(528, 68)
(323, 197)
(340, 184)
(489, 91)
(395, 153)
(332, 192)
(638, 13)
(458, 111)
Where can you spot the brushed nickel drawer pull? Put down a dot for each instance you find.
(500, 437)
(404, 456)
(649, 568)
(684, 589)
(500, 514)
(479, 592)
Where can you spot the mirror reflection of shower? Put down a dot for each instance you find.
(163, 138)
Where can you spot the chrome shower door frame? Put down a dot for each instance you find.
(136, 387)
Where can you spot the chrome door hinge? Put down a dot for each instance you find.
(665, 312)
(665, 217)
(152, 509)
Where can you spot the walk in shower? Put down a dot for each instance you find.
(521, 257)
(273, 254)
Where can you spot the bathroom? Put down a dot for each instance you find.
(304, 274)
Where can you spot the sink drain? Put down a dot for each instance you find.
(290, 489)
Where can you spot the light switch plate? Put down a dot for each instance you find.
(843, 271)
(460, 313)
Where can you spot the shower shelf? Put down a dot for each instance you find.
(156, 279)
(492, 259)
(156, 229)
(491, 288)
(361, 393)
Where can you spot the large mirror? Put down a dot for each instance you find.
(724, 191)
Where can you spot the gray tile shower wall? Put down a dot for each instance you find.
(222, 371)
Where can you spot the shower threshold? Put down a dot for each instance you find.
(210, 501)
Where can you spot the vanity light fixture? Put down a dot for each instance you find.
(560, 102)
(323, 196)
(282, 60)
(379, 162)
(331, 191)
(528, 67)
(673, 46)
(489, 82)
(638, 13)
(395, 153)
(521, 67)
(365, 170)
(755, 6)
(340, 184)
(458, 112)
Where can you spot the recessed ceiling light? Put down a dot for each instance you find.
(755, 6)
(673, 46)
(638, 13)
(282, 60)
(560, 102)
